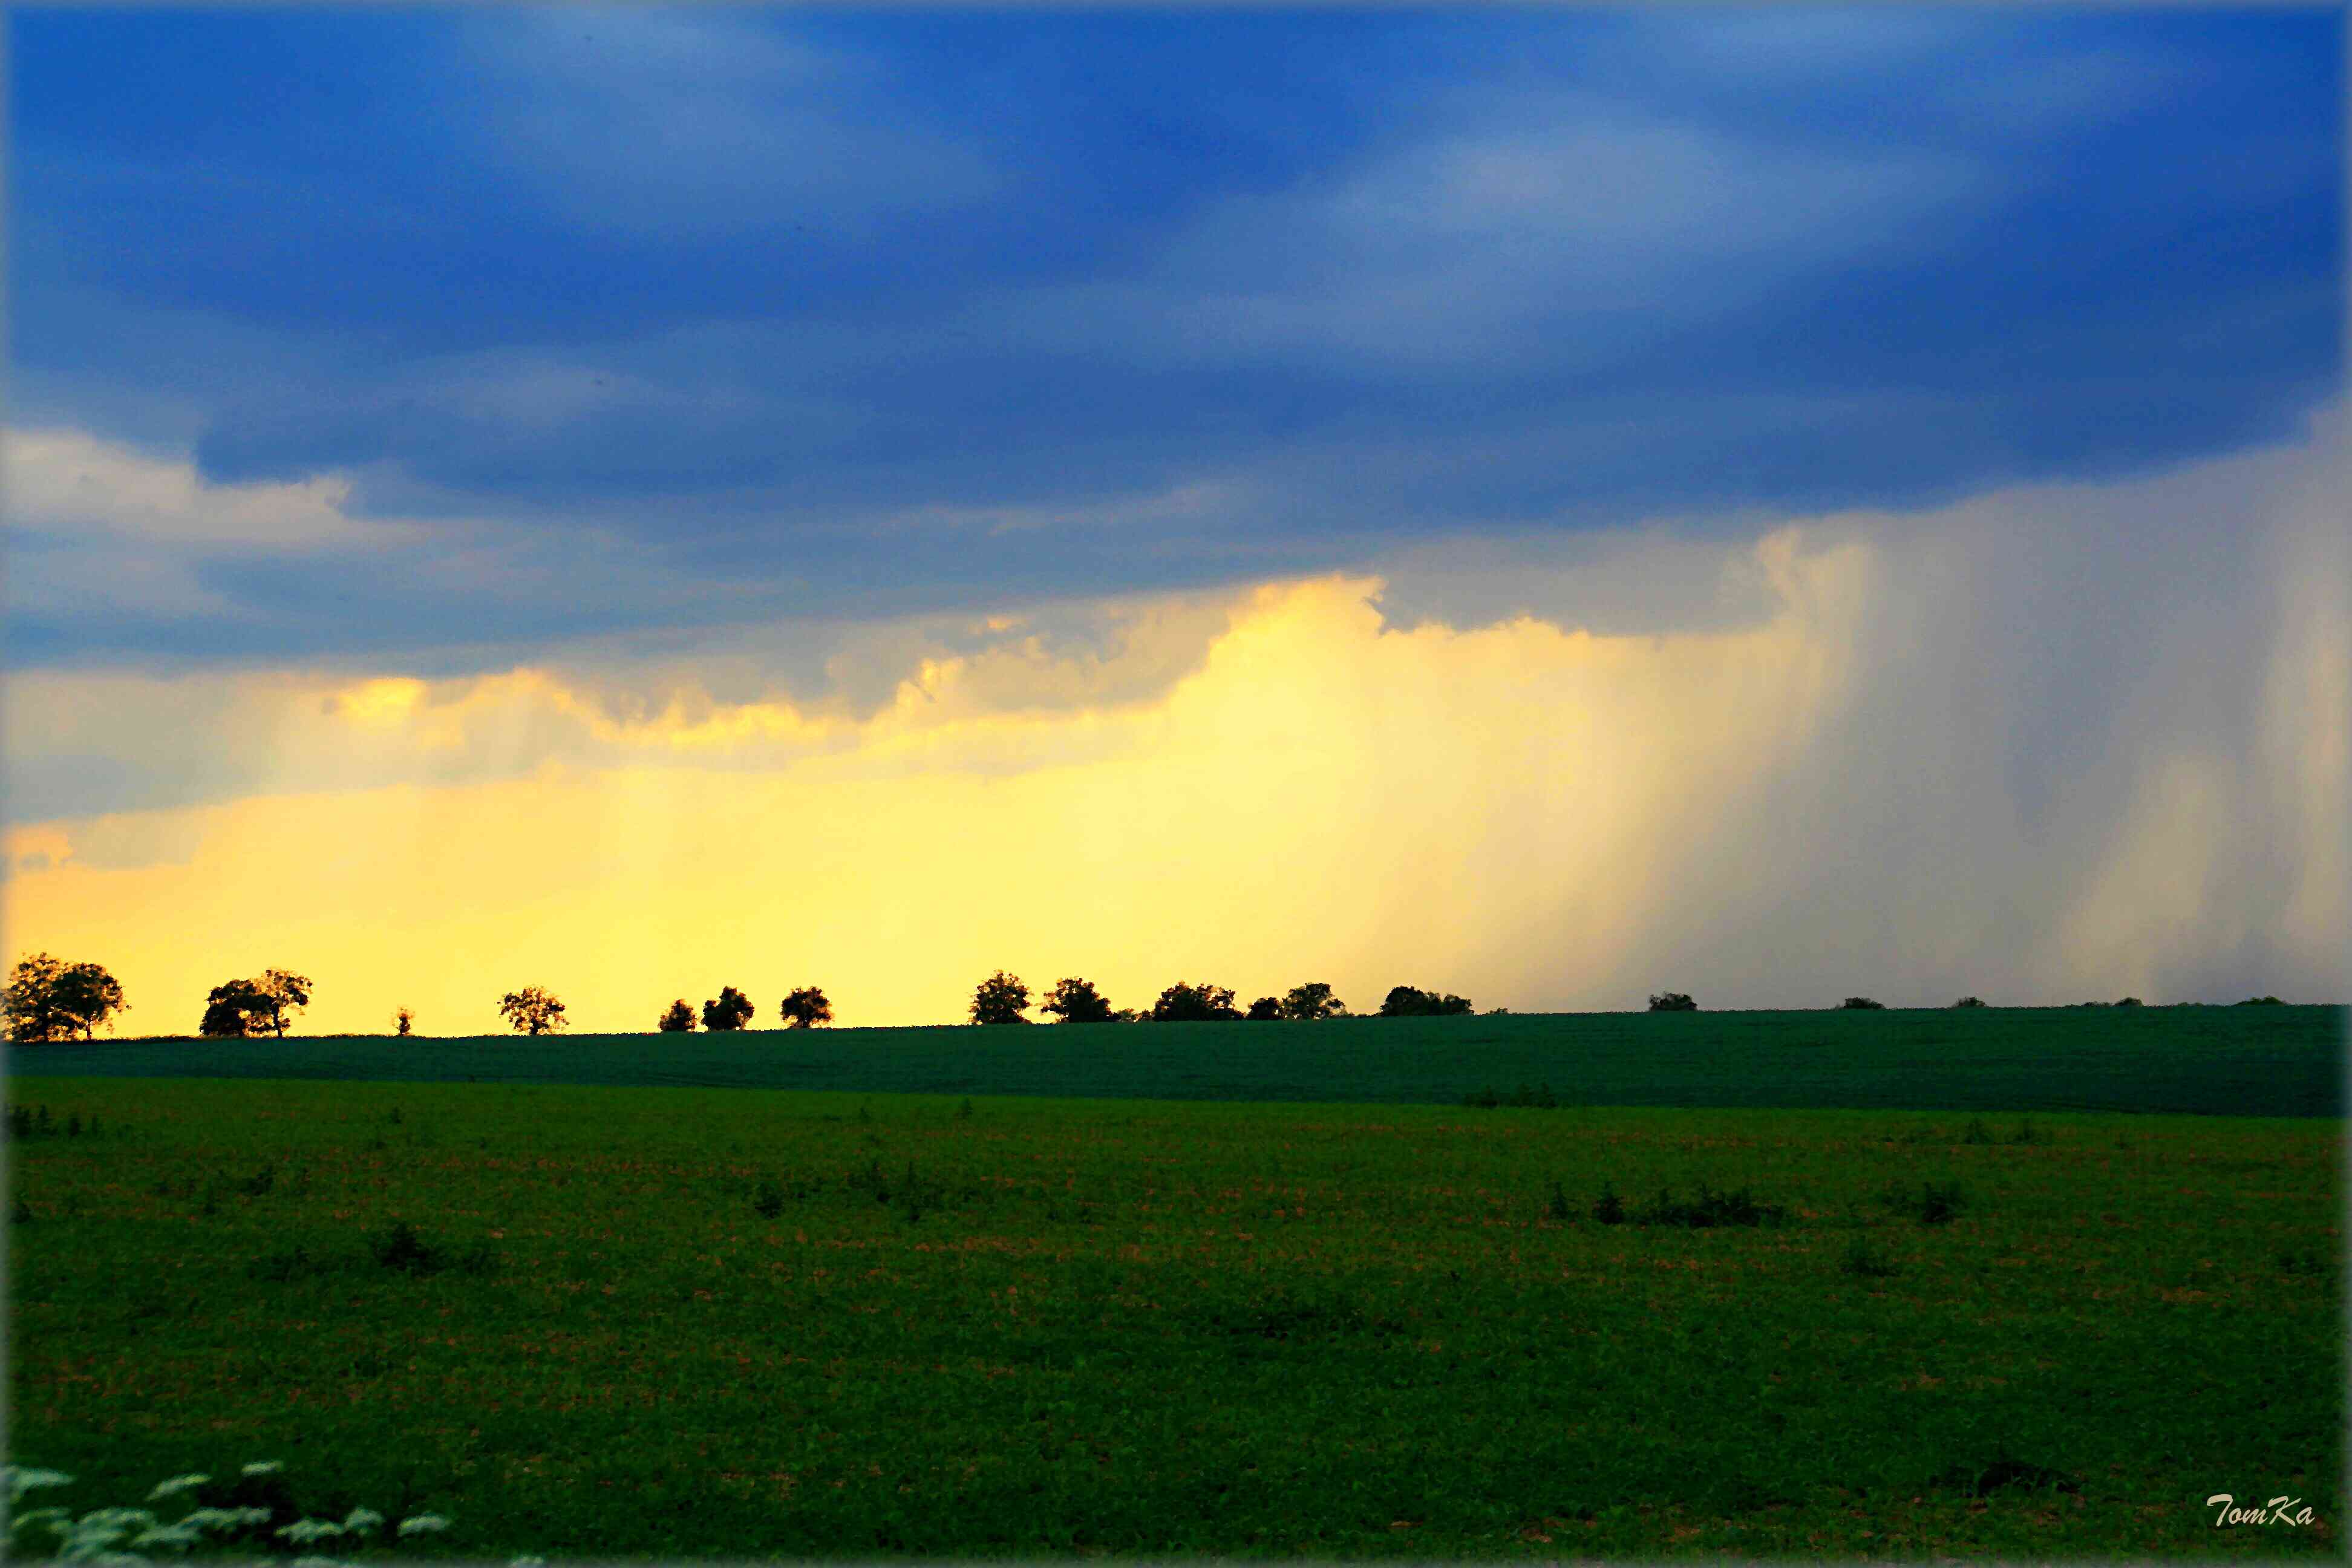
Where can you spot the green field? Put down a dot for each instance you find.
(2245, 1061)
(671, 1323)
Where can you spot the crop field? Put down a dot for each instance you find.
(602, 1322)
(2245, 1061)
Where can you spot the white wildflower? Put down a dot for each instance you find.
(22, 1481)
(318, 1563)
(264, 1468)
(362, 1518)
(175, 1486)
(181, 1534)
(528, 1562)
(305, 1531)
(36, 1516)
(423, 1522)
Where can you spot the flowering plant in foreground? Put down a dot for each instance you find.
(116, 1537)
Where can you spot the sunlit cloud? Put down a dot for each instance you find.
(1874, 777)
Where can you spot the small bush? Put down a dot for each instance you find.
(1865, 1261)
(259, 1182)
(1934, 1203)
(1977, 1132)
(1709, 1209)
(1860, 1004)
(2026, 1133)
(1970, 1002)
(1484, 1099)
(400, 1248)
(1557, 1208)
(1672, 1002)
(2129, 1001)
(2262, 1002)
(1608, 1208)
(768, 1201)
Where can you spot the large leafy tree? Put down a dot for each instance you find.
(284, 992)
(1076, 1001)
(1186, 1004)
(679, 1019)
(1410, 1002)
(1001, 998)
(1305, 1004)
(732, 1011)
(806, 1007)
(533, 1010)
(237, 1010)
(1672, 1002)
(47, 999)
(1266, 1009)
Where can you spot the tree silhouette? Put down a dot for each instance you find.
(732, 1011)
(238, 1010)
(285, 990)
(1672, 1002)
(49, 1000)
(1203, 1004)
(1970, 1002)
(1076, 1001)
(1861, 1004)
(678, 1020)
(1410, 1002)
(1306, 1004)
(403, 1019)
(1265, 1009)
(1001, 998)
(806, 1008)
(533, 1010)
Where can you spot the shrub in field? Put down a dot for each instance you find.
(1537, 1099)
(1484, 1099)
(1312, 1001)
(1266, 1009)
(400, 1248)
(533, 1010)
(1970, 1002)
(1557, 1208)
(47, 999)
(805, 1008)
(2129, 1001)
(1001, 998)
(2261, 1002)
(255, 1512)
(1074, 1000)
(1861, 1004)
(37, 1121)
(2026, 1133)
(1863, 1259)
(732, 1010)
(1977, 1132)
(1410, 1002)
(404, 1020)
(768, 1201)
(1672, 1002)
(1709, 1209)
(1608, 1208)
(1934, 1203)
(1187, 1004)
(678, 1020)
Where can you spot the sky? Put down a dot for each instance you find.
(1554, 505)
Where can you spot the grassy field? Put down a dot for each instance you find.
(2247, 1061)
(682, 1321)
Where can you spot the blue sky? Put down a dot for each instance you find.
(892, 309)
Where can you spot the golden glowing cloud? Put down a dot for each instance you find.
(1883, 782)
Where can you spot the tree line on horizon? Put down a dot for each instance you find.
(48, 1000)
